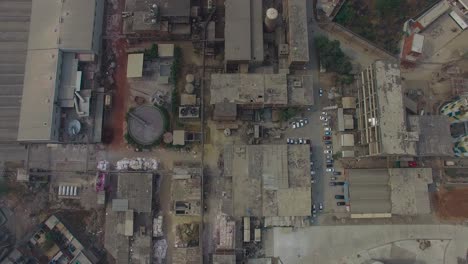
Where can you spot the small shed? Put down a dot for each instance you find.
(347, 140)
(348, 154)
(178, 137)
(225, 112)
(135, 65)
(166, 50)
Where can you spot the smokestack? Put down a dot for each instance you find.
(271, 19)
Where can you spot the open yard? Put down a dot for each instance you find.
(451, 203)
(380, 21)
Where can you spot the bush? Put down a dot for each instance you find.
(288, 113)
(152, 53)
(346, 14)
(176, 65)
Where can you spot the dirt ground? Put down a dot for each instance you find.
(451, 204)
(363, 18)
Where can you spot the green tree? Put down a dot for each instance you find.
(388, 7)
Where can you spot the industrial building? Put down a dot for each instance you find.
(434, 135)
(128, 235)
(297, 34)
(243, 42)
(381, 193)
(186, 191)
(156, 19)
(380, 112)
(267, 179)
(52, 81)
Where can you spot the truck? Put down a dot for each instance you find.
(406, 164)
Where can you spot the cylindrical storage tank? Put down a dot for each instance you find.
(189, 88)
(60, 191)
(189, 78)
(74, 190)
(67, 190)
(271, 19)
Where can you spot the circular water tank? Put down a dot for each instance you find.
(189, 78)
(189, 88)
(271, 19)
(74, 127)
(227, 132)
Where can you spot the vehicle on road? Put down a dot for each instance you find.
(324, 113)
(327, 151)
(339, 197)
(327, 128)
(330, 161)
(311, 163)
(323, 118)
(301, 141)
(312, 172)
(321, 206)
(329, 157)
(327, 142)
(314, 208)
(326, 138)
(294, 125)
(289, 141)
(320, 92)
(312, 180)
(328, 146)
(330, 170)
(336, 173)
(332, 178)
(327, 133)
(341, 203)
(339, 183)
(329, 165)
(332, 183)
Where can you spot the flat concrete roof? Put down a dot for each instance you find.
(303, 95)
(135, 65)
(297, 29)
(238, 35)
(39, 95)
(268, 89)
(224, 259)
(267, 179)
(257, 30)
(369, 191)
(391, 111)
(137, 188)
(410, 191)
(434, 135)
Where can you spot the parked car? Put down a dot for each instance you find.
(328, 151)
(308, 141)
(306, 121)
(327, 133)
(312, 180)
(339, 183)
(320, 92)
(330, 161)
(301, 141)
(326, 138)
(329, 165)
(328, 146)
(327, 128)
(311, 163)
(330, 170)
(327, 142)
(324, 113)
(289, 141)
(332, 183)
(321, 206)
(314, 209)
(332, 178)
(339, 197)
(337, 173)
(293, 125)
(341, 203)
(329, 157)
(312, 172)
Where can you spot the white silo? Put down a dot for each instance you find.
(271, 19)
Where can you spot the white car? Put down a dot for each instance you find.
(320, 206)
(329, 157)
(312, 180)
(294, 125)
(306, 121)
(324, 113)
(329, 147)
(327, 151)
(330, 170)
(311, 163)
(327, 128)
(301, 141)
(312, 172)
(323, 118)
(289, 141)
(332, 178)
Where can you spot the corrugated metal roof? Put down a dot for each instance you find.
(369, 191)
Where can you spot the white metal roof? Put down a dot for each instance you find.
(418, 41)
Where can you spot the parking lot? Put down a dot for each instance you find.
(315, 134)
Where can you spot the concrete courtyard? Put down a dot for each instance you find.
(359, 243)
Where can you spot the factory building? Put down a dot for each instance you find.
(62, 34)
(380, 112)
(243, 32)
(297, 34)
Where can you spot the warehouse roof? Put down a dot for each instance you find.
(67, 25)
(39, 95)
(237, 30)
(267, 179)
(369, 191)
(298, 36)
(249, 89)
